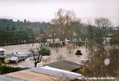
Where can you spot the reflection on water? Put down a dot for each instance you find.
(21, 49)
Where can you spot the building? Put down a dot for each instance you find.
(2, 51)
(63, 73)
(27, 76)
(41, 74)
(66, 65)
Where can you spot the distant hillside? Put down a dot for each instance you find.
(4, 23)
(12, 33)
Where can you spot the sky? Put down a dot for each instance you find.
(44, 10)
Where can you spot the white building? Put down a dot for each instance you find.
(2, 51)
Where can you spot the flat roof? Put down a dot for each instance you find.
(31, 76)
(40, 74)
(34, 74)
(71, 75)
(65, 65)
(8, 78)
(1, 49)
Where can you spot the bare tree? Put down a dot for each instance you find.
(52, 30)
(115, 38)
(115, 35)
(102, 25)
(37, 57)
(90, 43)
(37, 54)
(63, 23)
(78, 28)
(97, 34)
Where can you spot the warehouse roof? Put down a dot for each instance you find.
(7, 78)
(40, 74)
(56, 72)
(66, 65)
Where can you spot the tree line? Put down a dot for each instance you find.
(20, 32)
(66, 25)
(15, 36)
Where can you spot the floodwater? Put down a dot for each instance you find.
(56, 54)
(21, 49)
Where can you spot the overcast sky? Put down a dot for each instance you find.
(44, 10)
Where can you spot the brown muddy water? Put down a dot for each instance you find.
(56, 54)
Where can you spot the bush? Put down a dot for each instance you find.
(7, 69)
(44, 51)
(78, 52)
(79, 44)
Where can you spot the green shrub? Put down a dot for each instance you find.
(79, 44)
(44, 51)
(7, 69)
(78, 52)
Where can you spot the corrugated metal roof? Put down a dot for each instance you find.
(38, 73)
(7, 78)
(64, 64)
(32, 76)
(25, 74)
(55, 73)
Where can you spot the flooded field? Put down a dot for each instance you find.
(21, 49)
(56, 54)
